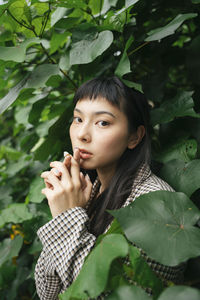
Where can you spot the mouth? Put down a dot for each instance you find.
(84, 154)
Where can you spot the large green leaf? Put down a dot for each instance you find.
(166, 219)
(15, 213)
(124, 64)
(94, 273)
(86, 51)
(183, 177)
(184, 150)
(169, 29)
(10, 248)
(129, 292)
(180, 106)
(130, 2)
(180, 293)
(36, 79)
(142, 274)
(35, 194)
(17, 53)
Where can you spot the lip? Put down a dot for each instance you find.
(84, 154)
(84, 151)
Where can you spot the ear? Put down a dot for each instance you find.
(136, 138)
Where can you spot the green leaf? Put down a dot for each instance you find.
(58, 14)
(17, 53)
(14, 167)
(180, 293)
(9, 153)
(94, 273)
(43, 128)
(124, 64)
(15, 213)
(86, 51)
(58, 40)
(183, 177)
(128, 292)
(36, 79)
(128, 3)
(196, 1)
(170, 28)
(35, 194)
(184, 150)
(10, 248)
(73, 4)
(41, 74)
(12, 95)
(142, 273)
(180, 106)
(64, 62)
(166, 219)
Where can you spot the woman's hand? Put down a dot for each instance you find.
(66, 187)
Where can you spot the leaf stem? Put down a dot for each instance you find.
(46, 20)
(67, 76)
(22, 24)
(134, 50)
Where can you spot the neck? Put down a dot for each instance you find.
(105, 175)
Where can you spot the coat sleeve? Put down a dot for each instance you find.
(66, 242)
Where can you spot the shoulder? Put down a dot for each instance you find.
(145, 182)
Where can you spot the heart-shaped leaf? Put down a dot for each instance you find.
(17, 53)
(169, 29)
(128, 292)
(86, 51)
(94, 273)
(183, 177)
(180, 293)
(15, 213)
(180, 106)
(166, 219)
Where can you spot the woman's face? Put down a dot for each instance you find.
(100, 131)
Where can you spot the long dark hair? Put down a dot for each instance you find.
(135, 106)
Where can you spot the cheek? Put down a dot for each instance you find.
(114, 142)
(71, 133)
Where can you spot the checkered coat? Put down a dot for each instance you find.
(66, 242)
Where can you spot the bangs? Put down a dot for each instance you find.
(110, 88)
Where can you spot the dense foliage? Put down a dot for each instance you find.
(48, 49)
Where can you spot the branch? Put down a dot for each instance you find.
(22, 24)
(89, 13)
(134, 50)
(46, 20)
(67, 76)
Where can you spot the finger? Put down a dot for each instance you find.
(52, 179)
(67, 162)
(83, 181)
(56, 172)
(75, 168)
(88, 189)
(76, 155)
(66, 178)
(48, 185)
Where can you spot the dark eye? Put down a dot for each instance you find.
(103, 123)
(77, 120)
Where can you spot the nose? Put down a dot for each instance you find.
(84, 133)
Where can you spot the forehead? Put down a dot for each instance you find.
(87, 106)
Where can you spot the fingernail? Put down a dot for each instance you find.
(87, 177)
(66, 153)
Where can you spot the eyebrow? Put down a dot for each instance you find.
(101, 112)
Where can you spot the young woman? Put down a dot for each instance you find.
(109, 134)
